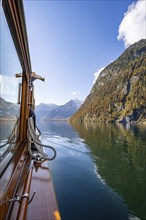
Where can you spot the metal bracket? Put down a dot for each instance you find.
(38, 158)
(18, 198)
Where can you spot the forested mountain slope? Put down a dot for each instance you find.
(119, 93)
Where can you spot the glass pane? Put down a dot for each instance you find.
(9, 66)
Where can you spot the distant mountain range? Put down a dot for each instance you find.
(119, 93)
(55, 112)
(43, 111)
(8, 109)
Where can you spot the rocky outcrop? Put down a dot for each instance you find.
(119, 94)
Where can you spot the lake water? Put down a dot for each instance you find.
(100, 170)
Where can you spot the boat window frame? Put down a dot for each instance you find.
(14, 14)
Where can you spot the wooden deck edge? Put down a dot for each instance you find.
(44, 205)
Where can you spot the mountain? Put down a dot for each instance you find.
(119, 93)
(42, 109)
(8, 109)
(64, 111)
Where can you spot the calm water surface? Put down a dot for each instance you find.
(99, 172)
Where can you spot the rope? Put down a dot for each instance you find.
(32, 136)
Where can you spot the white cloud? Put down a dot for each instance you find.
(75, 93)
(133, 25)
(97, 74)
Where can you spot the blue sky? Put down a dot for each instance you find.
(70, 41)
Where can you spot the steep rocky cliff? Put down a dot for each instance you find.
(119, 93)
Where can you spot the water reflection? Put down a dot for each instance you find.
(10, 65)
(7, 128)
(120, 155)
(105, 179)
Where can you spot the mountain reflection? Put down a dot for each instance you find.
(120, 155)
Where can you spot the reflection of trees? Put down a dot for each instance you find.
(120, 155)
